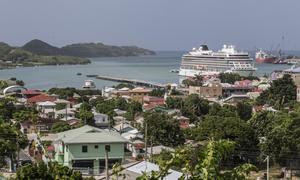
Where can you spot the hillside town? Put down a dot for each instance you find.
(131, 131)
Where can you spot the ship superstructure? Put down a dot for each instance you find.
(203, 61)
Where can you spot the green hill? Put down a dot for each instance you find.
(85, 50)
(41, 48)
(12, 56)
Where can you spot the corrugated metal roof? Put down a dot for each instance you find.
(147, 167)
(90, 134)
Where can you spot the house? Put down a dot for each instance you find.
(184, 122)
(107, 91)
(101, 120)
(46, 109)
(63, 101)
(243, 83)
(133, 172)
(84, 148)
(137, 94)
(119, 112)
(65, 114)
(235, 98)
(155, 150)
(298, 93)
(42, 125)
(40, 98)
(133, 136)
(120, 92)
(30, 93)
(154, 100)
(167, 110)
(209, 90)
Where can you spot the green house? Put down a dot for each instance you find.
(84, 148)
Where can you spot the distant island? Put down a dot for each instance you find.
(85, 50)
(37, 52)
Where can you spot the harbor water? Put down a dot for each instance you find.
(154, 68)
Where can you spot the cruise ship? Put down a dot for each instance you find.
(203, 61)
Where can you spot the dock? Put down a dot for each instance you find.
(132, 81)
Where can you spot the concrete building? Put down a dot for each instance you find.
(137, 94)
(298, 93)
(101, 120)
(210, 90)
(84, 148)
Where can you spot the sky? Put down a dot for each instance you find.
(154, 24)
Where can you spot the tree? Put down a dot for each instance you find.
(229, 77)
(204, 165)
(162, 129)
(222, 111)
(53, 171)
(11, 140)
(3, 84)
(60, 106)
(244, 110)
(124, 85)
(7, 109)
(174, 102)
(133, 108)
(279, 134)
(85, 114)
(157, 92)
(60, 127)
(194, 107)
(197, 80)
(281, 92)
(231, 128)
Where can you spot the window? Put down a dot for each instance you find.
(96, 146)
(84, 149)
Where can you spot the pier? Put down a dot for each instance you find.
(131, 81)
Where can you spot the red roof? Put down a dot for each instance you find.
(31, 92)
(50, 148)
(41, 98)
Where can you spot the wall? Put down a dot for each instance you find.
(74, 151)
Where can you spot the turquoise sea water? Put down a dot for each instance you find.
(152, 68)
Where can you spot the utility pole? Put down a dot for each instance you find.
(146, 128)
(267, 159)
(107, 149)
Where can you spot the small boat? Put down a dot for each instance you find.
(174, 71)
(89, 84)
(79, 74)
(91, 75)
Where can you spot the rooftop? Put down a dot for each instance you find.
(147, 167)
(41, 98)
(90, 134)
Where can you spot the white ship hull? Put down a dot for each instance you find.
(203, 61)
(193, 72)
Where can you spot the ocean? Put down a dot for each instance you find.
(154, 68)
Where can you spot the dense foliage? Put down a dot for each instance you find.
(84, 50)
(192, 106)
(52, 171)
(232, 77)
(281, 93)
(60, 127)
(67, 92)
(279, 135)
(202, 165)
(157, 92)
(195, 81)
(11, 140)
(220, 127)
(162, 129)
